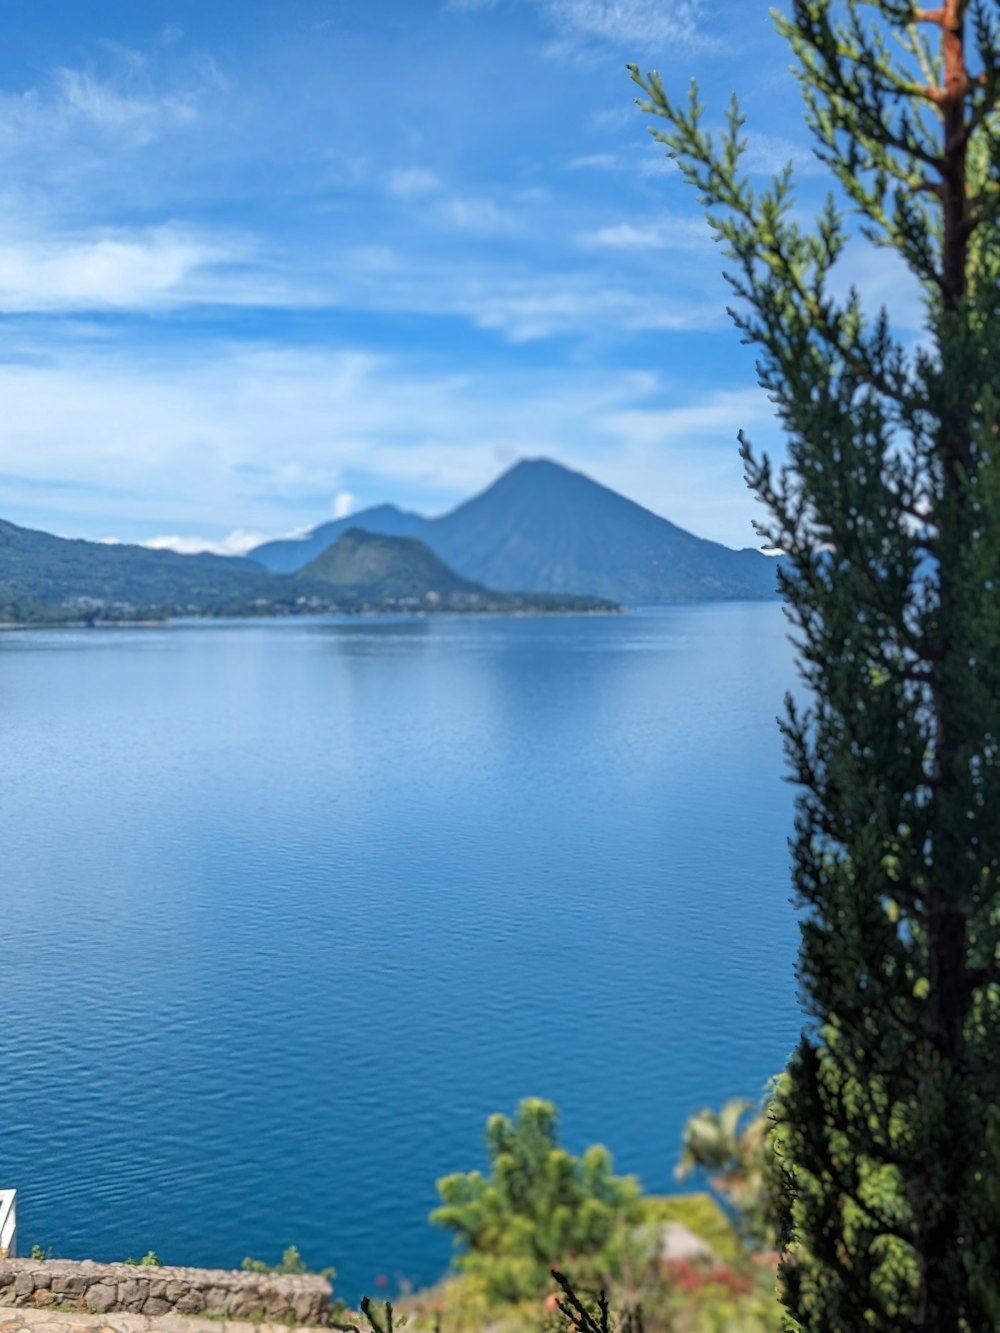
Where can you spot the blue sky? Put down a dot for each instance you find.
(263, 263)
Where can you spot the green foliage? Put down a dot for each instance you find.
(592, 1315)
(380, 1323)
(40, 574)
(383, 1321)
(702, 1215)
(38, 1254)
(539, 1206)
(693, 1302)
(888, 513)
(291, 1262)
(148, 1260)
(733, 1147)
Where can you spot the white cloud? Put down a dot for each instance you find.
(82, 96)
(638, 24)
(594, 161)
(479, 215)
(667, 233)
(159, 270)
(882, 280)
(243, 444)
(657, 165)
(723, 411)
(626, 236)
(767, 154)
(520, 306)
(614, 117)
(74, 111)
(524, 312)
(413, 181)
(344, 503)
(237, 542)
(143, 270)
(117, 270)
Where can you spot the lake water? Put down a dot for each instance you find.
(288, 908)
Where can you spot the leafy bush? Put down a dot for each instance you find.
(539, 1207)
(735, 1148)
(148, 1260)
(291, 1262)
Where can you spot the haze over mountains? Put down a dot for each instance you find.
(544, 528)
(541, 537)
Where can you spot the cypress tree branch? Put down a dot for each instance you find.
(888, 513)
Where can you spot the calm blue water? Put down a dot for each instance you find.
(289, 908)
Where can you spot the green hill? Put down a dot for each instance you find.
(402, 573)
(289, 554)
(373, 567)
(38, 570)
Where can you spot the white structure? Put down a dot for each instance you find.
(8, 1224)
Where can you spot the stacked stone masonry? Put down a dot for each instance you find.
(84, 1285)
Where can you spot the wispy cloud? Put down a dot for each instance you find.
(677, 232)
(768, 154)
(582, 302)
(614, 117)
(214, 450)
(639, 25)
(479, 215)
(160, 270)
(527, 311)
(411, 181)
(82, 95)
(146, 271)
(138, 270)
(237, 542)
(656, 163)
(124, 106)
(594, 162)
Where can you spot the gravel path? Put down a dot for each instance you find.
(21, 1320)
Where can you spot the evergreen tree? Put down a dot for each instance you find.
(539, 1207)
(889, 516)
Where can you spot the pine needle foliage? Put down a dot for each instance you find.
(594, 1316)
(888, 512)
(539, 1205)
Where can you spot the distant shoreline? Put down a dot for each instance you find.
(164, 622)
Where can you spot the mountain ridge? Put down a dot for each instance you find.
(287, 555)
(39, 567)
(49, 580)
(543, 527)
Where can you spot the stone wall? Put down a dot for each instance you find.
(85, 1285)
